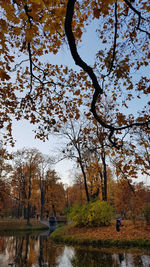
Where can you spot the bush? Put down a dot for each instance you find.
(146, 212)
(96, 213)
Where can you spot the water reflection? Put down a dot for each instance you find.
(109, 258)
(39, 250)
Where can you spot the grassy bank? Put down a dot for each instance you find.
(129, 236)
(20, 225)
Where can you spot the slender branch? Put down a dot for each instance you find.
(115, 40)
(17, 65)
(135, 11)
(138, 28)
(31, 69)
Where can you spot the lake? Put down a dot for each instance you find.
(39, 250)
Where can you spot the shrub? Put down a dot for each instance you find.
(96, 213)
(146, 212)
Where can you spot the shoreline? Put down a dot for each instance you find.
(20, 225)
(72, 235)
(130, 236)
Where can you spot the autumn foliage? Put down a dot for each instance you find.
(31, 187)
(95, 213)
(49, 94)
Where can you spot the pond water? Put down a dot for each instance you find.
(39, 250)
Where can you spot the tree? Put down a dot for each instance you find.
(36, 188)
(127, 202)
(76, 193)
(55, 194)
(43, 93)
(43, 176)
(25, 177)
(76, 148)
(87, 144)
(5, 184)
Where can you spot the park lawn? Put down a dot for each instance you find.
(9, 224)
(129, 235)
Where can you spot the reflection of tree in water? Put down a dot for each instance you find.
(131, 259)
(48, 252)
(41, 260)
(92, 258)
(28, 250)
(138, 261)
(97, 258)
(121, 257)
(21, 250)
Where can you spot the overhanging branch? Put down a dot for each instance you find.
(78, 61)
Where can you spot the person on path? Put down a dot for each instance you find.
(118, 224)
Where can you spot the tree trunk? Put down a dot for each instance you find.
(53, 209)
(85, 182)
(29, 197)
(42, 203)
(28, 213)
(105, 176)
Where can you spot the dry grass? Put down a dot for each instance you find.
(127, 232)
(19, 225)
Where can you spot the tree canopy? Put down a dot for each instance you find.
(47, 94)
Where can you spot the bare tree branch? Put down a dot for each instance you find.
(115, 40)
(135, 11)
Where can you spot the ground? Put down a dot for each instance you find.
(130, 235)
(128, 232)
(9, 224)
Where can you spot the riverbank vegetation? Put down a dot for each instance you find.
(105, 236)
(20, 225)
(96, 213)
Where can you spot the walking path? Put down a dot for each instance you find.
(45, 223)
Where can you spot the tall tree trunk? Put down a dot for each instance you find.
(84, 175)
(85, 182)
(42, 203)
(28, 213)
(105, 176)
(29, 198)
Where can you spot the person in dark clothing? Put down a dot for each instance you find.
(118, 224)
